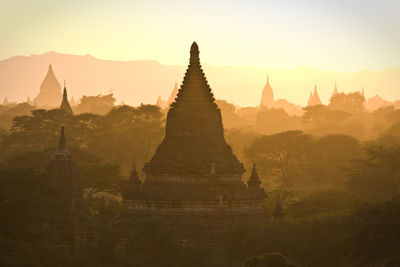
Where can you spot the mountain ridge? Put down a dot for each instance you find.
(142, 81)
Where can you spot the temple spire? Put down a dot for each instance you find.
(314, 98)
(267, 98)
(254, 180)
(65, 104)
(62, 152)
(335, 90)
(194, 54)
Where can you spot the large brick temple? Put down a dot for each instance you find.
(194, 180)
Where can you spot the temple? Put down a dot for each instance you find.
(50, 91)
(314, 98)
(267, 98)
(64, 173)
(65, 106)
(194, 179)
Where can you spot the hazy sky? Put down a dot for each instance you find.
(333, 35)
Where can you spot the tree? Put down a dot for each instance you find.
(275, 120)
(374, 234)
(280, 153)
(376, 177)
(96, 104)
(352, 102)
(329, 157)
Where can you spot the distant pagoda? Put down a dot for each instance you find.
(314, 99)
(50, 91)
(267, 98)
(65, 104)
(335, 91)
(194, 179)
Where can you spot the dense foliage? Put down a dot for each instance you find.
(336, 168)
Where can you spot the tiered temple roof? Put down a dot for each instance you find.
(194, 132)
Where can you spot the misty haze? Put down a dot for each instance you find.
(223, 134)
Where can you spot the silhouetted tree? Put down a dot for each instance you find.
(96, 104)
(374, 234)
(352, 102)
(377, 177)
(280, 152)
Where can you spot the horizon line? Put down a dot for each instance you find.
(204, 63)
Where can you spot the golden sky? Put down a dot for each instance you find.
(332, 35)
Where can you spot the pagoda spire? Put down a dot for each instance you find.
(65, 104)
(195, 89)
(194, 135)
(62, 152)
(335, 90)
(267, 98)
(254, 180)
(314, 98)
(194, 54)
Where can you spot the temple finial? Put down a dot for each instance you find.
(62, 143)
(268, 79)
(65, 90)
(194, 53)
(65, 104)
